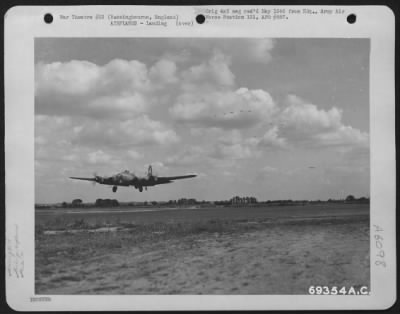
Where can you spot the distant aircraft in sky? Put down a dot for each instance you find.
(127, 178)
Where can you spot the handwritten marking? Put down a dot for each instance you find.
(378, 237)
(15, 255)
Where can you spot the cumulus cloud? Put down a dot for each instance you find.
(91, 114)
(190, 109)
(241, 108)
(208, 97)
(245, 50)
(299, 124)
(344, 135)
(88, 114)
(304, 123)
(133, 132)
(164, 72)
(233, 145)
(118, 89)
(125, 106)
(256, 50)
(216, 71)
(272, 139)
(74, 77)
(306, 118)
(76, 145)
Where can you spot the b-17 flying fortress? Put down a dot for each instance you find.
(127, 178)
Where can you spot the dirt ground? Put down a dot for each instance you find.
(242, 257)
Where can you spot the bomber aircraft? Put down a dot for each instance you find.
(127, 178)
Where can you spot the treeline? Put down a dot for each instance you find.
(352, 199)
(106, 203)
(235, 201)
(79, 203)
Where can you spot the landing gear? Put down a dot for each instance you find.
(114, 189)
(140, 189)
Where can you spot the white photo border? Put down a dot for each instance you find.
(24, 24)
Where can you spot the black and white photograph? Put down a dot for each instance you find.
(201, 166)
(200, 158)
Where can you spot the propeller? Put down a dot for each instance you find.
(97, 178)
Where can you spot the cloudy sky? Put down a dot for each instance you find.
(270, 118)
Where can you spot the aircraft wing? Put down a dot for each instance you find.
(177, 177)
(86, 179)
(163, 180)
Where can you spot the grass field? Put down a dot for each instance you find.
(280, 250)
(56, 218)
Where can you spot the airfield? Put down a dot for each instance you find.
(201, 250)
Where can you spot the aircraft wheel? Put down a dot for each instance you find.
(140, 189)
(114, 189)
